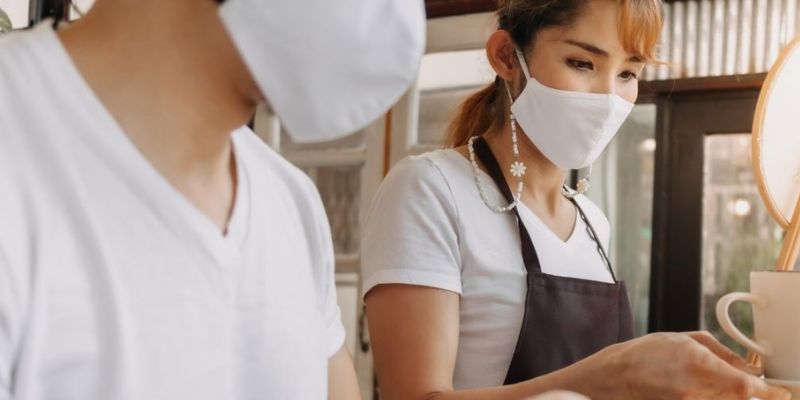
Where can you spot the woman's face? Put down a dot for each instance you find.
(587, 56)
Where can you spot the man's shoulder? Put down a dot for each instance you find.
(288, 192)
(22, 53)
(264, 163)
(26, 87)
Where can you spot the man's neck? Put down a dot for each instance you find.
(172, 79)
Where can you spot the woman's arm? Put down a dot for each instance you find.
(414, 335)
(414, 332)
(559, 395)
(342, 381)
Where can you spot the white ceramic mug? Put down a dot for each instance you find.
(775, 297)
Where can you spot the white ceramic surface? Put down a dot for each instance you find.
(775, 297)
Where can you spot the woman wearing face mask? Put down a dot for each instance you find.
(485, 277)
(151, 246)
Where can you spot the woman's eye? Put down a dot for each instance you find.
(580, 65)
(628, 75)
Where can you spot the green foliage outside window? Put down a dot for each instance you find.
(5, 22)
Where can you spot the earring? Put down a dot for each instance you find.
(585, 182)
(582, 187)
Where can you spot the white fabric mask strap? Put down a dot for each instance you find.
(522, 63)
(508, 90)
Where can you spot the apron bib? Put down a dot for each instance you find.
(566, 319)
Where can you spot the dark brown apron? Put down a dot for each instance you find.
(566, 319)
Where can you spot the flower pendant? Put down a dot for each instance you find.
(583, 185)
(518, 169)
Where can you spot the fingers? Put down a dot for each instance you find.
(766, 392)
(560, 395)
(724, 353)
(748, 386)
(743, 386)
(729, 380)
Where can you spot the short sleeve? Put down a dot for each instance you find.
(9, 324)
(316, 231)
(324, 260)
(13, 282)
(410, 235)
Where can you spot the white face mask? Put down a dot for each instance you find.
(570, 128)
(328, 68)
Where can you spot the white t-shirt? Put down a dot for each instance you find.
(113, 286)
(428, 226)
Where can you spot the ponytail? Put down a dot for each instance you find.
(478, 114)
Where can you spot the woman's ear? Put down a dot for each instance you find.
(501, 54)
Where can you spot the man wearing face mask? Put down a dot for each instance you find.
(150, 246)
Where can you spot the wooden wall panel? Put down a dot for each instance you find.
(446, 8)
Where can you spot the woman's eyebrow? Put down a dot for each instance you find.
(596, 50)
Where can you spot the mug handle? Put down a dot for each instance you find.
(761, 347)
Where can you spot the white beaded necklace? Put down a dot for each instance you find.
(517, 169)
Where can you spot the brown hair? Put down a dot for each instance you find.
(639, 28)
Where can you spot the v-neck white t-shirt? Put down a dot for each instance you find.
(429, 227)
(113, 286)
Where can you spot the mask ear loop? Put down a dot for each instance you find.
(522, 63)
(508, 91)
(518, 168)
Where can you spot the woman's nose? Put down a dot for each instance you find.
(605, 85)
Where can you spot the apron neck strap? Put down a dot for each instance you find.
(485, 155)
(593, 234)
(529, 256)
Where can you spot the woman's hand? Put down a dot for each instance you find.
(559, 395)
(671, 366)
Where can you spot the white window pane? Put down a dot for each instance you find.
(445, 80)
(454, 69)
(17, 11)
(349, 142)
(340, 188)
(622, 186)
(739, 235)
(436, 109)
(80, 7)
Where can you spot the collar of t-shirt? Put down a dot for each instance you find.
(149, 185)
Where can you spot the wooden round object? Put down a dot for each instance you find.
(776, 136)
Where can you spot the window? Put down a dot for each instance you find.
(445, 80)
(79, 8)
(739, 235)
(622, 186)
(17, 11)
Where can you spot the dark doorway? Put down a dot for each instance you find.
(709, 225)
